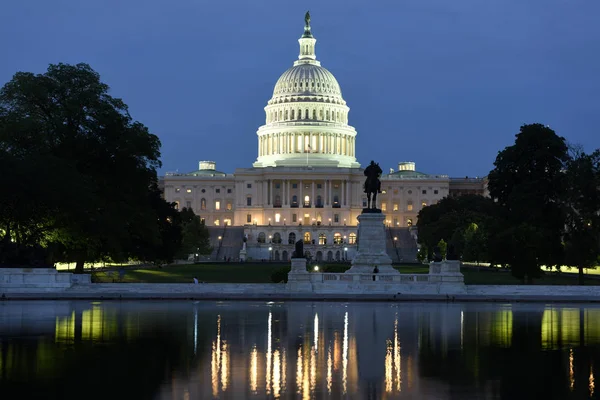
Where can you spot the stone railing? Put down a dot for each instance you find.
(333, 278)
(41, 278)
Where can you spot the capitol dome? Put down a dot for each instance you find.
(307, 117)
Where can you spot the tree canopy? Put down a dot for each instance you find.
(83, 181)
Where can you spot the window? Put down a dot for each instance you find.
(322, 239)
(319, 186)
(306, 201)
(395, 207)
(177, 205)
(229, 206)
(217, 222)
(336, 200)
(217, 205)
(424, 191)
(409, 206)
(410, 192)
(423, 204)
(249, 200)
(248, 185)
(292, 238)
(435, 191)
(188, 204)
(227, 222)
(307, 237)
(395, 191)
(177, 190)
(294, 201)
(337, 238)
(352, 238)
(384, 192)
(228, 190)
(217, 190)
(294, 218)
(396, 223)
(277, 238)
(249, 218)
(336, 217)
(203, 204)
(383, 207)
(294, 186)
(319, 201)
(277, 217)
(409, 222)
(203, 190)
(277, 185)
(188, 190)
(261, 237)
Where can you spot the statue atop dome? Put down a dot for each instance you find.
(307, 19)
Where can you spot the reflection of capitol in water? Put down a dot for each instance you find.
(315, 350)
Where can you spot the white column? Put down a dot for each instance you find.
(271, 192)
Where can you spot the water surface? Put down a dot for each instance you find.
(238, 350)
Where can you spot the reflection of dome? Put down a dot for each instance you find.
(307, 118)
(307, 79)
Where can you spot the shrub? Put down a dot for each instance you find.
(280, 275)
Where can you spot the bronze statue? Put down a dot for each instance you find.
(307, 19)
(299, 253)
(372, 184)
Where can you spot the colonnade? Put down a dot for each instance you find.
(268, 193)
(320, 143)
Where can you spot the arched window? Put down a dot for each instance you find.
(306, 114)
(409, 205)
(321, 113)
(314, 114)
(322, 238)
(277, 202)
(295, 200)
(319, 201)
(327, 115)
(307, 237)
(280, 115)
(277, 238)
(352, 238)
(293, 116)
(336, 200)
(337, 238)
(409, 222)
(203, 204)
(292, 238)
(261, 237)
(306, 201)
(286, 114)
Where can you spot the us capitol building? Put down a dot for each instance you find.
(306, 182)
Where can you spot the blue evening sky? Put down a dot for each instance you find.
(444, 83)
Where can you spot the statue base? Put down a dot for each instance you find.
(243, 255)
(371, 246)
(371, 211)
(298, 277)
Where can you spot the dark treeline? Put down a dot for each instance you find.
(544, 209)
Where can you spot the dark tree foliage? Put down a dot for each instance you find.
(82, 173)
(582, 209)
(195, 235)
(529, 182)
(450, 217)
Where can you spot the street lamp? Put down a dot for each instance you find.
(270, 241)
(270, 253)
(329, 221)
(395, 238)
(316, 268)
(346, 253)
(269, 221)
(344, 221)
(284, 221)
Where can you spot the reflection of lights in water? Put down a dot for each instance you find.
(571, 372)
(397, 357)
(195, 330)
(225, 367)
(299, 371)
(329, 370)
(313, 369)
(254, 369)
(283, 368)
(186, 394)
(316, 333)
(337, 350)
(216, 359)
(276, 374)
(389, 367)
(345, 356)
(592, 384)
(269, 355)
(462, 322)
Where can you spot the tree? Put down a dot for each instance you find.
(528, 183)
(475, 243)
(83, 169)
(582, 207)
(195, 235)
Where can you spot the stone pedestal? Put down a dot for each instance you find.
(448, 271)
(371, 246)
(243, 255)
(298, 277)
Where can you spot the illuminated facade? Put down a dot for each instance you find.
(306, 182)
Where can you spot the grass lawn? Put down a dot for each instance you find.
(261, 273)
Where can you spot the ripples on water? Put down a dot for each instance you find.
(237, 350)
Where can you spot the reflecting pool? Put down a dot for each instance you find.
(237, 350)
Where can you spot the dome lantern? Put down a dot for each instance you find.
(307, 45)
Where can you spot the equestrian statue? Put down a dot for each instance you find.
(372, 184)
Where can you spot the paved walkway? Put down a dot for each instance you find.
(274, 291)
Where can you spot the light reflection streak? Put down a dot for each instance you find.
(269, 355)
(299, 375)
(216, 359)
(254, 370)
(276, 374)
(329, 370)
(462, 323)
(225, 367)
(195, 330)
(316, 332)
(283, 368)
(397, 357)
(571, 372)
(313, 369)
(592, 383)
(389, 380)
(345, 356)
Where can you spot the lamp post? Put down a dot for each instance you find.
(270, 253)
(284, 221)
(269, 221)
(345, 253)
(270, 241)
(329, 221)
